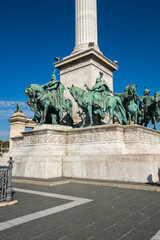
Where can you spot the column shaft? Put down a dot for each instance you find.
(85, 23)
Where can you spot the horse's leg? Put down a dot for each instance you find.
(54, 119)
(129, 116)
(42, 117)
(135, 118)
(118, 117)
(99, 119)
(69, 112)
(110, 115)
(155, 123)
(111, 110)
(146, 122)
(90, 115)
(45, 112)
(140, 120)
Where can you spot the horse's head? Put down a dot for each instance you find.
(33, 89)
(27, 91)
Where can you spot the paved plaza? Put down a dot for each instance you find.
(80, 211)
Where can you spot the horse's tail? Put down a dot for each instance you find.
(121, 110)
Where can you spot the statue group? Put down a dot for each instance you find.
(49, 104)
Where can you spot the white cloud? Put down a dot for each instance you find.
(5, 114)
(7, 109)
(6, 104)
(4, 133)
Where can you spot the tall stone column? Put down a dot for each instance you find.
(83, 65)
(85, 25)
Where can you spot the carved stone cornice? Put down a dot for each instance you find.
(88, 55)
(97, 134)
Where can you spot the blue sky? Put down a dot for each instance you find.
(33, 32)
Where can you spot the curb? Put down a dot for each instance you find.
(107, 184)
(40, 183)
(4, 204)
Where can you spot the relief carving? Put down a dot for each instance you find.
(139, 136)
(17, 143)
(95, 137)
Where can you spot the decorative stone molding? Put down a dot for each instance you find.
(84, 63)
(113, 152)
(113, 133)
(17, 142)
(75, 66)
(141, 136)
(95, 137)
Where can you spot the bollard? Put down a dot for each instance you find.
(9, 190)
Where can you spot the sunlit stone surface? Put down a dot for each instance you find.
(111, 152)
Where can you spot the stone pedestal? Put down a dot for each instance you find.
(18, 123)
(83, 68)
(39, 153)
(110, 152)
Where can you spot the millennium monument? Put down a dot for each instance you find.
(82, 128)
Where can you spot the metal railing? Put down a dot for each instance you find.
(6, 191)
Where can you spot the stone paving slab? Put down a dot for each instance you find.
(114, 213)
(43, 213)
(27, 205)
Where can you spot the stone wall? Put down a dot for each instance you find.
(111, 152)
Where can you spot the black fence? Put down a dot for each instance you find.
(6, 191)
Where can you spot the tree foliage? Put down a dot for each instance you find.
(4, 144)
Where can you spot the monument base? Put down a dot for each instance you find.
(110, 152)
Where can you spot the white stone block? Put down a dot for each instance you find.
(111, 152)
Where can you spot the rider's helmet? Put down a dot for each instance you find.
(53, 77)
(100, 76)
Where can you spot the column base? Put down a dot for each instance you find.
(85, 46)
